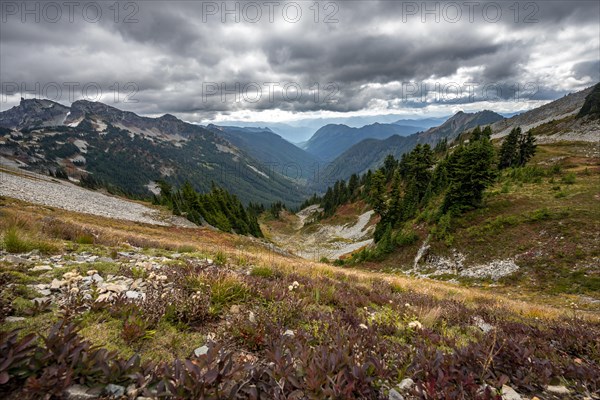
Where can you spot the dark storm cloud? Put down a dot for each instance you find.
(176, 51)
(589, 69)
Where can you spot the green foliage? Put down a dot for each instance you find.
(263, 272)
(218, 208)
(85, 239)
(526, 174)
(442, 230)
(220, 258)
(15, 242)
(569, 178)
(517, 149)
(276, 208)
(225, 290)
(471, 169)
(403, 238)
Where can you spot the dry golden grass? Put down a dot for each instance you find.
(121, 233)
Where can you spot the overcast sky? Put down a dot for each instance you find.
(331, 58)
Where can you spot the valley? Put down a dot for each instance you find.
(324, 200)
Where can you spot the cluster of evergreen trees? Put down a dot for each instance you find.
(517, 149)
(447, 181)
(338, 194)
(218, 208)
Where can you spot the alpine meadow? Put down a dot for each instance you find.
(301, 200)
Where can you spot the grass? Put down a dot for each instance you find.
(526, 300)
(356, 296)
(263, 272)
(220, 258)
(226, 290)
(15, 242)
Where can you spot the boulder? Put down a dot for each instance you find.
(14, 319)
(406, 384)
(57, 284)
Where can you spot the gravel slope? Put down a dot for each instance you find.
(44, 190)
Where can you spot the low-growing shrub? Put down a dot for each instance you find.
(406, 238)
(85, 239)
(263, 272)
(569, 178)
(220, 258)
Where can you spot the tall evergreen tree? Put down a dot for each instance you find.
(476, 134)
(527, 148)
(509, 150)
(377, 193)
(487, 132)
(470, 171)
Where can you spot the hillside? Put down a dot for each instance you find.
(162, 311)
(559, 109)
(534, 231)
(272, 151)
(127, 153)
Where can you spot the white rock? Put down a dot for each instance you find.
(289, 333)
(132, 294)
(406, 384)
(557, 389)
(104, 297)
(113, 287)
(363, 326)
(40, 299)
(114, 390)
(79, 392)
(394, 395)
(252, 317)
(38, 268)
(509, 393)
(415, 325)
(97, 278)
(56, 284)
(201, 351)
(481, 324)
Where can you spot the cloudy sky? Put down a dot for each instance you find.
(287, 61)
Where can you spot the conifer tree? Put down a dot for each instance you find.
(510, 148)
(470, 171)
(527, 148)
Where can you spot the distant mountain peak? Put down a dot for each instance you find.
(169, 117)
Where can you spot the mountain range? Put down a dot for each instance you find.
(130, 153)
(332, 140)
(122, 151)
